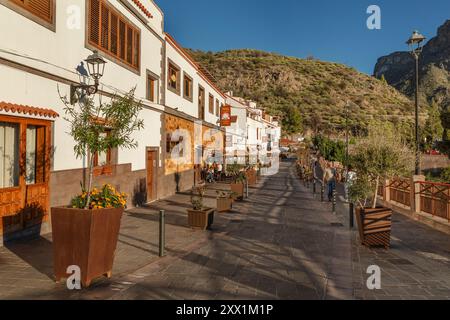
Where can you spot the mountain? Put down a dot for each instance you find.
(398, 69)
(320, 90)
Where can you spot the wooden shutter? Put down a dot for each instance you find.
(110, 32)
(136, 49)
(40, 8)
(122, 38)
(114, 33)
(105, 27)
(94, 23)
(129, 45)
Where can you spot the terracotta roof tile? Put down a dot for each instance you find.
(143, 8)
(32, 111)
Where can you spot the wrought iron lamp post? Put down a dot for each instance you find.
(415, 44)
(96, 67)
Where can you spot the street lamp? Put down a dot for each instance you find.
(96, 67)
(415, 44)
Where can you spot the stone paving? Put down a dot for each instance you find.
(280, 243)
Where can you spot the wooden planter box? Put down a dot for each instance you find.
(85, 238)
(200, 219)
(238, 189)
(224, 204)
(374, 226)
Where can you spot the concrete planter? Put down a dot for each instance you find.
(200, 219)
(374, 226)
(85, 238)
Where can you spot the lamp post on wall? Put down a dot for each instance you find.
(96, 67)
(415, 44)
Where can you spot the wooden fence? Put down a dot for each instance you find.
(428, 197)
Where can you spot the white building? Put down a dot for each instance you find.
(253, 135)
(44, 44)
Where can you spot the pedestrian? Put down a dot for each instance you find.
(210, 175)
(329, 178)
(219, 171)
(349, 179)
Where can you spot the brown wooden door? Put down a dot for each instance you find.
(151, 174)
(27, 203)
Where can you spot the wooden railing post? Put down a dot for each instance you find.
(415, 192)
(387, 191)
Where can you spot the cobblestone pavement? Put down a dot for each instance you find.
(280, 243)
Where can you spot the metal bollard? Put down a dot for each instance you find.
(314, 186)
(351, 215)
(162, 233)
(334, 200)
(322, 191)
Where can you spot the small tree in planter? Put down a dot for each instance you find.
(85, 234)
(199, 217)
(377, 157)
(238, 180)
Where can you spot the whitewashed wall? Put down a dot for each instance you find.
(178, 101)
(59, 53)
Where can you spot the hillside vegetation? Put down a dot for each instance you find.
(320, 90)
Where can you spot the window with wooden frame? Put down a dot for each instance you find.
(188, 88)
(35, 154)
(43, 10)
(152, 87)
(217, 108)
(110, 32)
(211, 104)
(103, 158)
(201, 103)
(173, 78)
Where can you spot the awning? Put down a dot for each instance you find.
(19, 109)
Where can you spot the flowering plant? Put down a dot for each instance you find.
(106, 197)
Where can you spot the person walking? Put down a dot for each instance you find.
(219, 171)
(329, 178)
(349, 179)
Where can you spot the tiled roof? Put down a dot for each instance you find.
(143, 8)
(32, 111)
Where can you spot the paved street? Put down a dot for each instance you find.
(280, 243)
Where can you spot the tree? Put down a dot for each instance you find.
(433, 129)
(89, 122)
(380, 155)
(292, 120)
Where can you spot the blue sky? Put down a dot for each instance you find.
(330, 30)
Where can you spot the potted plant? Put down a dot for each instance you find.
(199, 217)
(379, 156)
(224, 201)
(238, 181)
(85, 233)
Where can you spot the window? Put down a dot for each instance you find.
(43, 10)
(172, 142)
(217, 108)
(201, 103)
(110, 32)
(102, 158)
(35, 155)
(211, 104)
(187, 87)
(9, 155)
(152, 87)
(173, 78)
